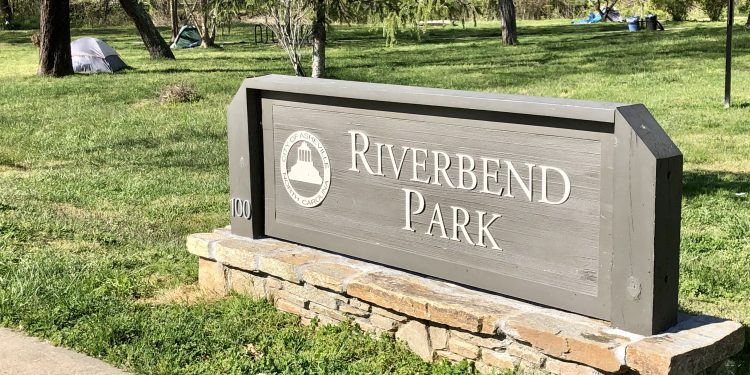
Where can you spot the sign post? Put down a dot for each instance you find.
(728, 57)
(570, 204)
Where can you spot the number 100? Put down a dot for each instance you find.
(240, 208)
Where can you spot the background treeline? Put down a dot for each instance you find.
(25, 13)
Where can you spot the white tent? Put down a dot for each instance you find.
(91, 55)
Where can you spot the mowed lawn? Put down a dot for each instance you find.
(100, 184)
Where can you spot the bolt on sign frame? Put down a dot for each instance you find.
(566, 203)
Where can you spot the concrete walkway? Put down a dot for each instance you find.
(22, 355)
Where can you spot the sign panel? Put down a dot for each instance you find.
(514, 195)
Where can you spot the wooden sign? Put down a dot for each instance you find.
(570, 204)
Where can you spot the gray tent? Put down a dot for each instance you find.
(91, 55)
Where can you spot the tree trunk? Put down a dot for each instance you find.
(319, 40)
(508, 19)
(607, 10)
(6, 12)
(208, 38)
(298, 71)
(747, 23)
(206, 24)
(54, 38)
(208, 33)
(173, 16)
(155, 44)
(105, 11)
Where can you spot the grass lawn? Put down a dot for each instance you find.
(100, 184)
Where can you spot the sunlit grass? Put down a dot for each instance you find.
(99, 183)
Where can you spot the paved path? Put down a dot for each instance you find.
(23, 355)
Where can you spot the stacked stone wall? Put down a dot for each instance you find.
(436, 319)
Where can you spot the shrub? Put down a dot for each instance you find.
(713, 8)
(178, 93)
(678, 9)
(36, 39)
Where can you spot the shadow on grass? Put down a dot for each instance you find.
(152, 142)
(189, 70)
(697, 183)
(739, 364)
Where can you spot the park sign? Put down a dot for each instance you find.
(569, 204)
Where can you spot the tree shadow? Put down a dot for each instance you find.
(742, 359)
(697, 183)
(606, 50)
(189, 70)
(22, 37)
(163, 156)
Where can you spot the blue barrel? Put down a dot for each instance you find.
(633, 23)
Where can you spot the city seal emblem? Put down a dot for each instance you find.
(304, 182)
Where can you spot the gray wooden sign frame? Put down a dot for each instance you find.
(641, 181)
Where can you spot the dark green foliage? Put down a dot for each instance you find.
(99, 184)
(678, 9)
(714, 9)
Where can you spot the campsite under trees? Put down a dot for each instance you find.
(103, 176)
(298, 23)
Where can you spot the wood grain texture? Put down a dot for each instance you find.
(238, 139)
(648, 190)
(611, 250)
(554, 247)
(580, 110)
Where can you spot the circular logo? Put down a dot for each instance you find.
(303, 180)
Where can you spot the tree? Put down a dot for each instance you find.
(508, 19)
(6, 12)
(208, 15)
(312, 17)
(289, 21)
(295, 21)
(203, 14)
(604, 11)
(206, 23)
(325, 11)
(678, 9)
(173, 18)
(155, 44)
(398, 15)
(106, 9)
(319, 40)
(714, 8)
(54, 38)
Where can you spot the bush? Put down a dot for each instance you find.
(678, 9)
(713, 8)
(178, 93)
(88, 13)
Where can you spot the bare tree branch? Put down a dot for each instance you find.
(290, 21)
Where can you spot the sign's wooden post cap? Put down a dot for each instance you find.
(566, 203)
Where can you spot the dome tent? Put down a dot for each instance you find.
(91, 55)
(187, 37)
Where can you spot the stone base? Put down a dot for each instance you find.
(438, 319)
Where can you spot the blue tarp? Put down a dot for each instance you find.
(592, 18)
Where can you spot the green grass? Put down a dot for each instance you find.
(99, 184)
